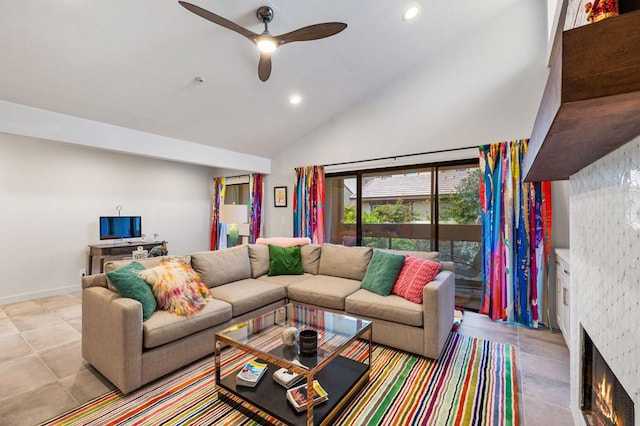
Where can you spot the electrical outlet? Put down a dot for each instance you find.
(83, 272)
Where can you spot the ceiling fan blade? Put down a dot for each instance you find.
(216, 19)
(312, 32)
(264, 67)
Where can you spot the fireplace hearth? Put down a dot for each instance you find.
(605, 402)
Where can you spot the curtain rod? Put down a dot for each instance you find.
(394, 157)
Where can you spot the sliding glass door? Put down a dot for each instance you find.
(459, 231)
(341, 194)
(427, 208)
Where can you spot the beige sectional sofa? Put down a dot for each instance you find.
(131, 353)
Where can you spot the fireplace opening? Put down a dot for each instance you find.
(605, 402)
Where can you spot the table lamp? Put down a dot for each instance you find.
(232, 215)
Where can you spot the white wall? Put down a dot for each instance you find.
(483, 88)
(51, 196)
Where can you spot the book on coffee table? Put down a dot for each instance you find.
(298, 396)
(251, 373)
(286, 377)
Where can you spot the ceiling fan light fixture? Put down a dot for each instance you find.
(411, 12)
(266, 44)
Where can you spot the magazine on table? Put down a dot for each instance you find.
(298, 396)
(286, 377)
(251, 373)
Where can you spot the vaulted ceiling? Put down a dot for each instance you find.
(153, 66)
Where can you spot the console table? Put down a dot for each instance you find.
(101, 251)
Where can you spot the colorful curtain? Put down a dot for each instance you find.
(308, 203)
(219, 186)
(516, 237)
(256, 185)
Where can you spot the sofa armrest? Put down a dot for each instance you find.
(112, 336)
(438, 300)
(98, 280)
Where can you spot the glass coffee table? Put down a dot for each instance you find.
(341, 363)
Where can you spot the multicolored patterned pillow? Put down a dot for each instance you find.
(176, 286)
(413, 277)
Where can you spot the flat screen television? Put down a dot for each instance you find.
(117, 227)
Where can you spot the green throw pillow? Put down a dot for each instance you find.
(285, 260)
(382, 272)
(130, 285)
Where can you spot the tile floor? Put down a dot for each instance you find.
(42, 372)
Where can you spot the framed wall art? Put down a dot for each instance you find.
(280, 196)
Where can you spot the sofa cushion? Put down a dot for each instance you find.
(284, 280)
(310, 258)
(222, 266)
(151, 262)
(259, 259)
(447, 265)
(127, 282)
(248, 294)
(426, 255)
(389, 308)
(323, 290)
(382, 272)
(147, 263)
(164, 327)
(414, 276)
(285, 260)
(344, 262)
(177, 287)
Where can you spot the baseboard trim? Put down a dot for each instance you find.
(6, 300)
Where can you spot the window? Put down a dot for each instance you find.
(426, 208)
(396, 209)
(237, 193)
(237, 190)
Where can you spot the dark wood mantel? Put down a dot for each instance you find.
(591, 104)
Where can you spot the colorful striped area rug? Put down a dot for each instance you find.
(473, 383)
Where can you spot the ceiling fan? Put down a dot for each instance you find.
(265, 42)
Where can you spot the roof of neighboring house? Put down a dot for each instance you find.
(351, 185)
(450, 179)
(411, 186)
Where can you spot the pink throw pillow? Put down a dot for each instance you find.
(413, 277)
(284, 241)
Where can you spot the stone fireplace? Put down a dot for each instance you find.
(605, 271)
(604, 400)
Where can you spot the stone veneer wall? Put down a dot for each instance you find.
(605, 267)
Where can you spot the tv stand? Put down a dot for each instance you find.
(119, 248)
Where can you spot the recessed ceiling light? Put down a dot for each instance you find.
(295, 99)
(411, 12)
